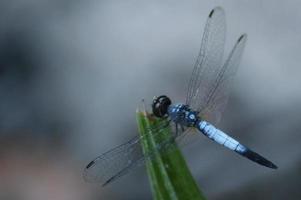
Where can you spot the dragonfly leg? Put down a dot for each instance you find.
(160, 126)
(182, 128)
(177, 133)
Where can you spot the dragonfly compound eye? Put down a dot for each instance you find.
(160, 106)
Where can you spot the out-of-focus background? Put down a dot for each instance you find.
(73, 72)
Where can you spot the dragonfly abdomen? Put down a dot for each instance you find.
(220, 137)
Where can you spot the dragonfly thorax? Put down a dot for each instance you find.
(182, 114)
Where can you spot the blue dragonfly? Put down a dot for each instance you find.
(206, 99)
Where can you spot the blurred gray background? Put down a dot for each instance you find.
(72, 74)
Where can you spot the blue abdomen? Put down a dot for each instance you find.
(219, 136)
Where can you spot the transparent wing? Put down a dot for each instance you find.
(209, 61)
(114, 163)
(216, 100)
(188, 137)
(122, 159)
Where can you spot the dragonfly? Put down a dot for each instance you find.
(206, 98)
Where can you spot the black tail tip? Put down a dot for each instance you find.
(267, 163)
(259, 159)
(273, 166)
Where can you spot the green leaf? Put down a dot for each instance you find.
(168, 173)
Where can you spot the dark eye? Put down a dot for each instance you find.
(160, 106)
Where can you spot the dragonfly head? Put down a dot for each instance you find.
(160, 106)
